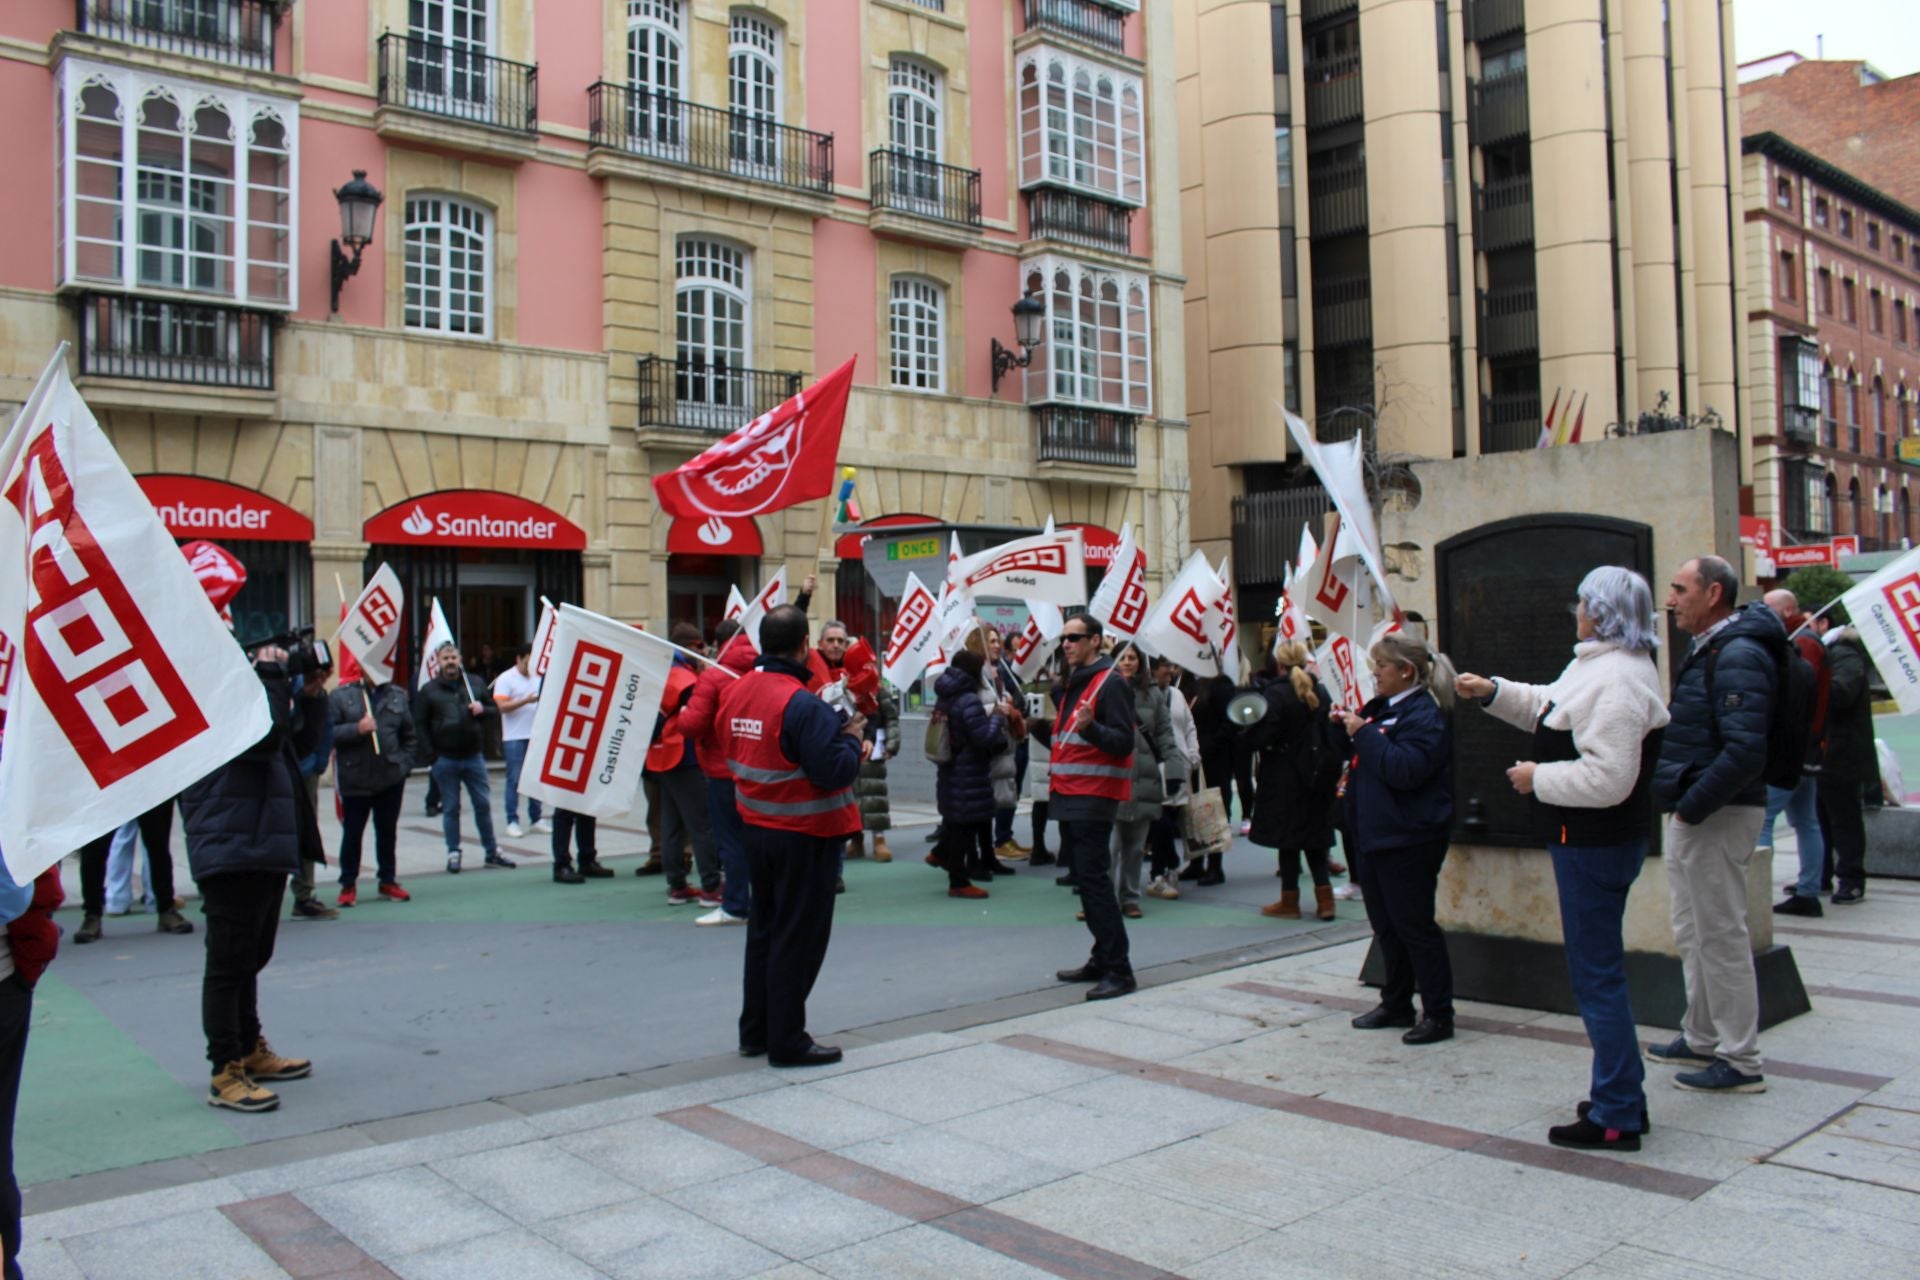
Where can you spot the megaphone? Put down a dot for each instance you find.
(1247, 708)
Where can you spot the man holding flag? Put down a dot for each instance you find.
(453, 710)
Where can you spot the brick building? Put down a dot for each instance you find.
(1845, 112)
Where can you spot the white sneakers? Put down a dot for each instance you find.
(515, 831)
(1163, 887)
(720, 915)
(1347, 891)
(540, 828)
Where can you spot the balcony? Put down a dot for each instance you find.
(1800, 427)
(447, 96)
(1073, 218)
(1510, 420)
(237, 32)
(1489, 18)
(1072, 434)
(1337, 198)
(662, 129)
(188, 343)
(1499, 109)
(1510, 322)
(1266, 530)
(1085, 20)
(692, 395)
(1333, 90)
(1342, 311)
(907, 184)
(1506, 213)
(1318, 10)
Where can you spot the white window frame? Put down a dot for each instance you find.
(1084, 360)
(450, 59)
(447, 221)
(754, 51)
(1062, 144)
(244, 110)
(917, 312)
(721, 269)
(656, 125)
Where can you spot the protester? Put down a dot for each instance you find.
(1005, 678)
(156, 832)
(1242, 777)
(876, 806)
(1852, 766)
(1299, 750)
(517, 693)
(582, 830)
(1039, 786)
(963, 789)
(1801, 803)
(794, 761)
(1158, 766)
(1399, 809)
(1164, 839)
(1596, 738)
(374, 747)
(837, 659)
(450, 715)
(698, 720)
(28, 947)
(1711, 779)
(685, 819)
(313, 748)
(1217, 735)
(247, 826)
(120, 862)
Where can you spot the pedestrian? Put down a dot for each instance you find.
(313, 748)
(1399, 806)
(1851, 765)
(1090, 774)
(374, 747)
(838, 659)
(1711, 779)
(1217, 755)
(247, 826)
(699, 721)
(450, 716)
(516, 691)
(1596, 738)
(794, 761)
(685, 810)
(120, 863)
(1039, 785)
(1006, 682)
(26, 949)
(1164, 841)
(1299, 750)
(1158, 767)
(1801, 803)
(883, 744)
(963, 787)
(156, 833)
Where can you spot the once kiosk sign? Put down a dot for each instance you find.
(474, 518)
(195, 507)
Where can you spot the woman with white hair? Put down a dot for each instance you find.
(1596, 737)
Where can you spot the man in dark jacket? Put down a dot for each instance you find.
(1712, 779)
(1005, 678)
(1851, 763)
(450, 716)
(1801, 804)
(374, 746)
(248, 824)
(313, 748)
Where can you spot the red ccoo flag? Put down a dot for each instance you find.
(782, 458)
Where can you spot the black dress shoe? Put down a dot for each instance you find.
(1212, 878)
(1795, 905)
(1380, 1016)
(815, 1055)
(1001, 869)
(980, 875)
(567, 875)
(594, 871)
(753, 1050)
(1584, 1135)
(1114, 984)
(1646, 1125)
(1429, 1031)
(1041, 858)
(1194, 870)
(1063, 881)
(1088, 972)
(933, 836)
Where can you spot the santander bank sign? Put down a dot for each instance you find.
(474, 518)
(195, 507)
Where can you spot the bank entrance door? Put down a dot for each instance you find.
(497, 614)
(697, 589)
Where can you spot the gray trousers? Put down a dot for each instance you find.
(1707, 877)
(1129, 843)
(687, 819)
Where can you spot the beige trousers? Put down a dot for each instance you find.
(1707, 876)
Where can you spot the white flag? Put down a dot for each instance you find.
(736, 603)
(947, 608)
(1886, 611)
(1037, 640)
(769, 598)
(1177, 629)
(1329, 590)
(1342, 473)
(369, 629)
(1225, 624)
(1048, 566)
(1347, 676)
(438, 633)
(596, 716)
(1120, 602)
(124, 687)
(543, 638)
(915, 637)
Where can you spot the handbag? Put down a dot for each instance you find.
(939, 742)
(1203, 824)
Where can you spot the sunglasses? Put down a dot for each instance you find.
(1074, 635)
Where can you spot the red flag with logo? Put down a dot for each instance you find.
(783, 457)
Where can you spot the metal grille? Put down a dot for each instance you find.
(459, 83)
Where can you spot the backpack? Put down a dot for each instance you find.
(1790, 728)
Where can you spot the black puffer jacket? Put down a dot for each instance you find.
(443, 720)
(252, 813)
(1301, 751)
(1850, 753)
(964, 787)
(1715, 754)
(358, 769)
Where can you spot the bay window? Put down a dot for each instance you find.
(1081, 126)
(1096, 352)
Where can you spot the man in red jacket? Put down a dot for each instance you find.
(698, 722)
(1801, 803)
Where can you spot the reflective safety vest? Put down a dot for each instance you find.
(1077, 767)
(771, 790)
(666, 754)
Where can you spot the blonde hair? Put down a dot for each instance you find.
(1294, 656)
(1430, 669)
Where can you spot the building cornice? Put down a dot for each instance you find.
(1775, 147)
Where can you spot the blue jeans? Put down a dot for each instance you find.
(126, 842)
(730, 834)
(515, 750)
(472, 770)
(1803, 815)
(1593, 885)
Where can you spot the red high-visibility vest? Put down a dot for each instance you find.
(1077, 767)
(771, 790)
(667, 753)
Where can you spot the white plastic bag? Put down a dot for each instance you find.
(1892, 785)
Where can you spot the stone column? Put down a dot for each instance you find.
(1650, 166)
(339, 551)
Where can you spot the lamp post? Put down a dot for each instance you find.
(359, 201)
(1029, 330)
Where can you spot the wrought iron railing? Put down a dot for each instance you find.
(1499, 109)
(699, 395)
(1489, 18)
(1055, 214)
(458, 83)
(1082, 19)
(1266, 530)
(1342, 310)
(1074, 433)
(938, 6)
(1333, 90)
(1337, 197)
(1510, 322)
(1510, 420)
(926, 188)
(1316, 10)
(660, 126)
(160, 340)
(240, 32)
(1506, 213)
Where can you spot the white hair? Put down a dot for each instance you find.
(1620, 605)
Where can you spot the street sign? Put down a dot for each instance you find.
(1801, 557)
(1845, 544)
(913, 549)
(1908, 450)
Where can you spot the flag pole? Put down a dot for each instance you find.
(339, 585)
(698, 657)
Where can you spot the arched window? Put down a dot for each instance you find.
(1883, 517)
(656, 51)
(183, 193)
(1829, 408)
(914, 100)
(1829, 513)
(1879, 417)
(448, 286)
(447, 46)
(916, 331)
(711, 296)
(1853, 415)
(753, 90)
(1907, 531)
(1856, 513)
(1081, 125)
